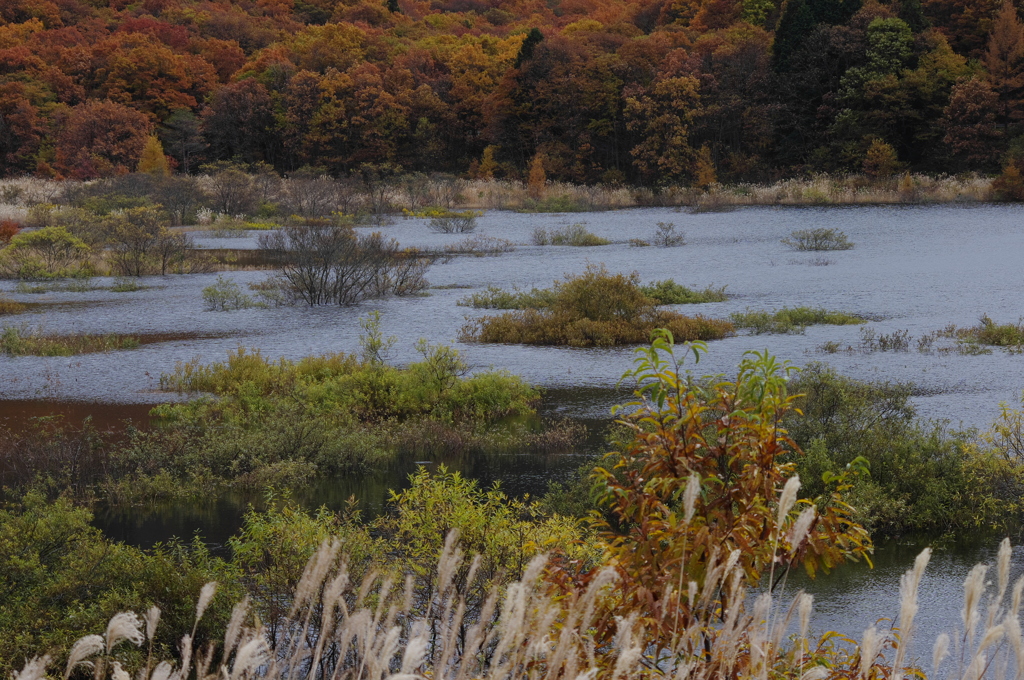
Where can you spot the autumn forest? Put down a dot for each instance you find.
(642, 92)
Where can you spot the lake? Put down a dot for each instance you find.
(913, 268)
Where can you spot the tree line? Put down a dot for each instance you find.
(645, 92)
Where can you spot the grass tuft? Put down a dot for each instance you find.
(23, 341)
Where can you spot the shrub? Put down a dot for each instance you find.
(225, 296)
(666, 236)
(324, 264)
(791, 319)
(480, 246)
(497, 298)
(668, 292)
(47, 253)
(8, 230)
(818, 239)
(452, 222)
(988, 332)
(592, 309)
(571, 235)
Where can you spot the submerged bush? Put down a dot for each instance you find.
(592, 309)
(47, 253)
(988, 332)
(571, 235)
(225, 296)
(668, 292)
(791, 319)
(818, 239)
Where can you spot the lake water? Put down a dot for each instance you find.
(914, 268)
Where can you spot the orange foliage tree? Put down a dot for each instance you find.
(702, 496)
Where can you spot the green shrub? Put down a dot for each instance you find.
(988, 332)
(571, 235)
(791, 319)
(497, 298)
(63, 579)
(818, 239)
(593, 309)
(47, 253)
(225, 296)
(668, 292)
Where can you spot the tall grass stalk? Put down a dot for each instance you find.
(382, 628)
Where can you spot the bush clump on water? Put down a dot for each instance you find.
(571, 235)
(818, 239)
(791, 319)
(593, 309)
(669, 292)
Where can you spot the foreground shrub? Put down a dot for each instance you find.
(923, 478)
(818, 239)
(592, 309)
(791, 319)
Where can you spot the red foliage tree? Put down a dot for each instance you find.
(101, 138)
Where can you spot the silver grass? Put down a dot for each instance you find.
(162, 671)
(415, 653)
(152, 619)
(939, 652)
(34, 669)
(124, 626)
(1003, 566)
(205, 595)
(629, 652)
(690, 496)
(119, 673)
(974, 585)
(1015, 598)
(315, 573)
(909, 583)
(868, 650)
(806, 603)
(249, 657)
(787, 499)
(992, 635)
(976, 668)
(1013, 633)
(238, 613)
(85, 648)
(798, 532)
(816, 673)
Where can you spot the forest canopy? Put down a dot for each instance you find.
(649, 92)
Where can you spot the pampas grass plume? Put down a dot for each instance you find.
(124, 626)
(34, 669)
(205, 595)
(82, 651)
(152, 619)
(690, 496)
(788, 498)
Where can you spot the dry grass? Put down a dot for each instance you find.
(818, 190)
(22, 340)
(383, 628)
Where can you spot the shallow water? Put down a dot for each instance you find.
(915, 268)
